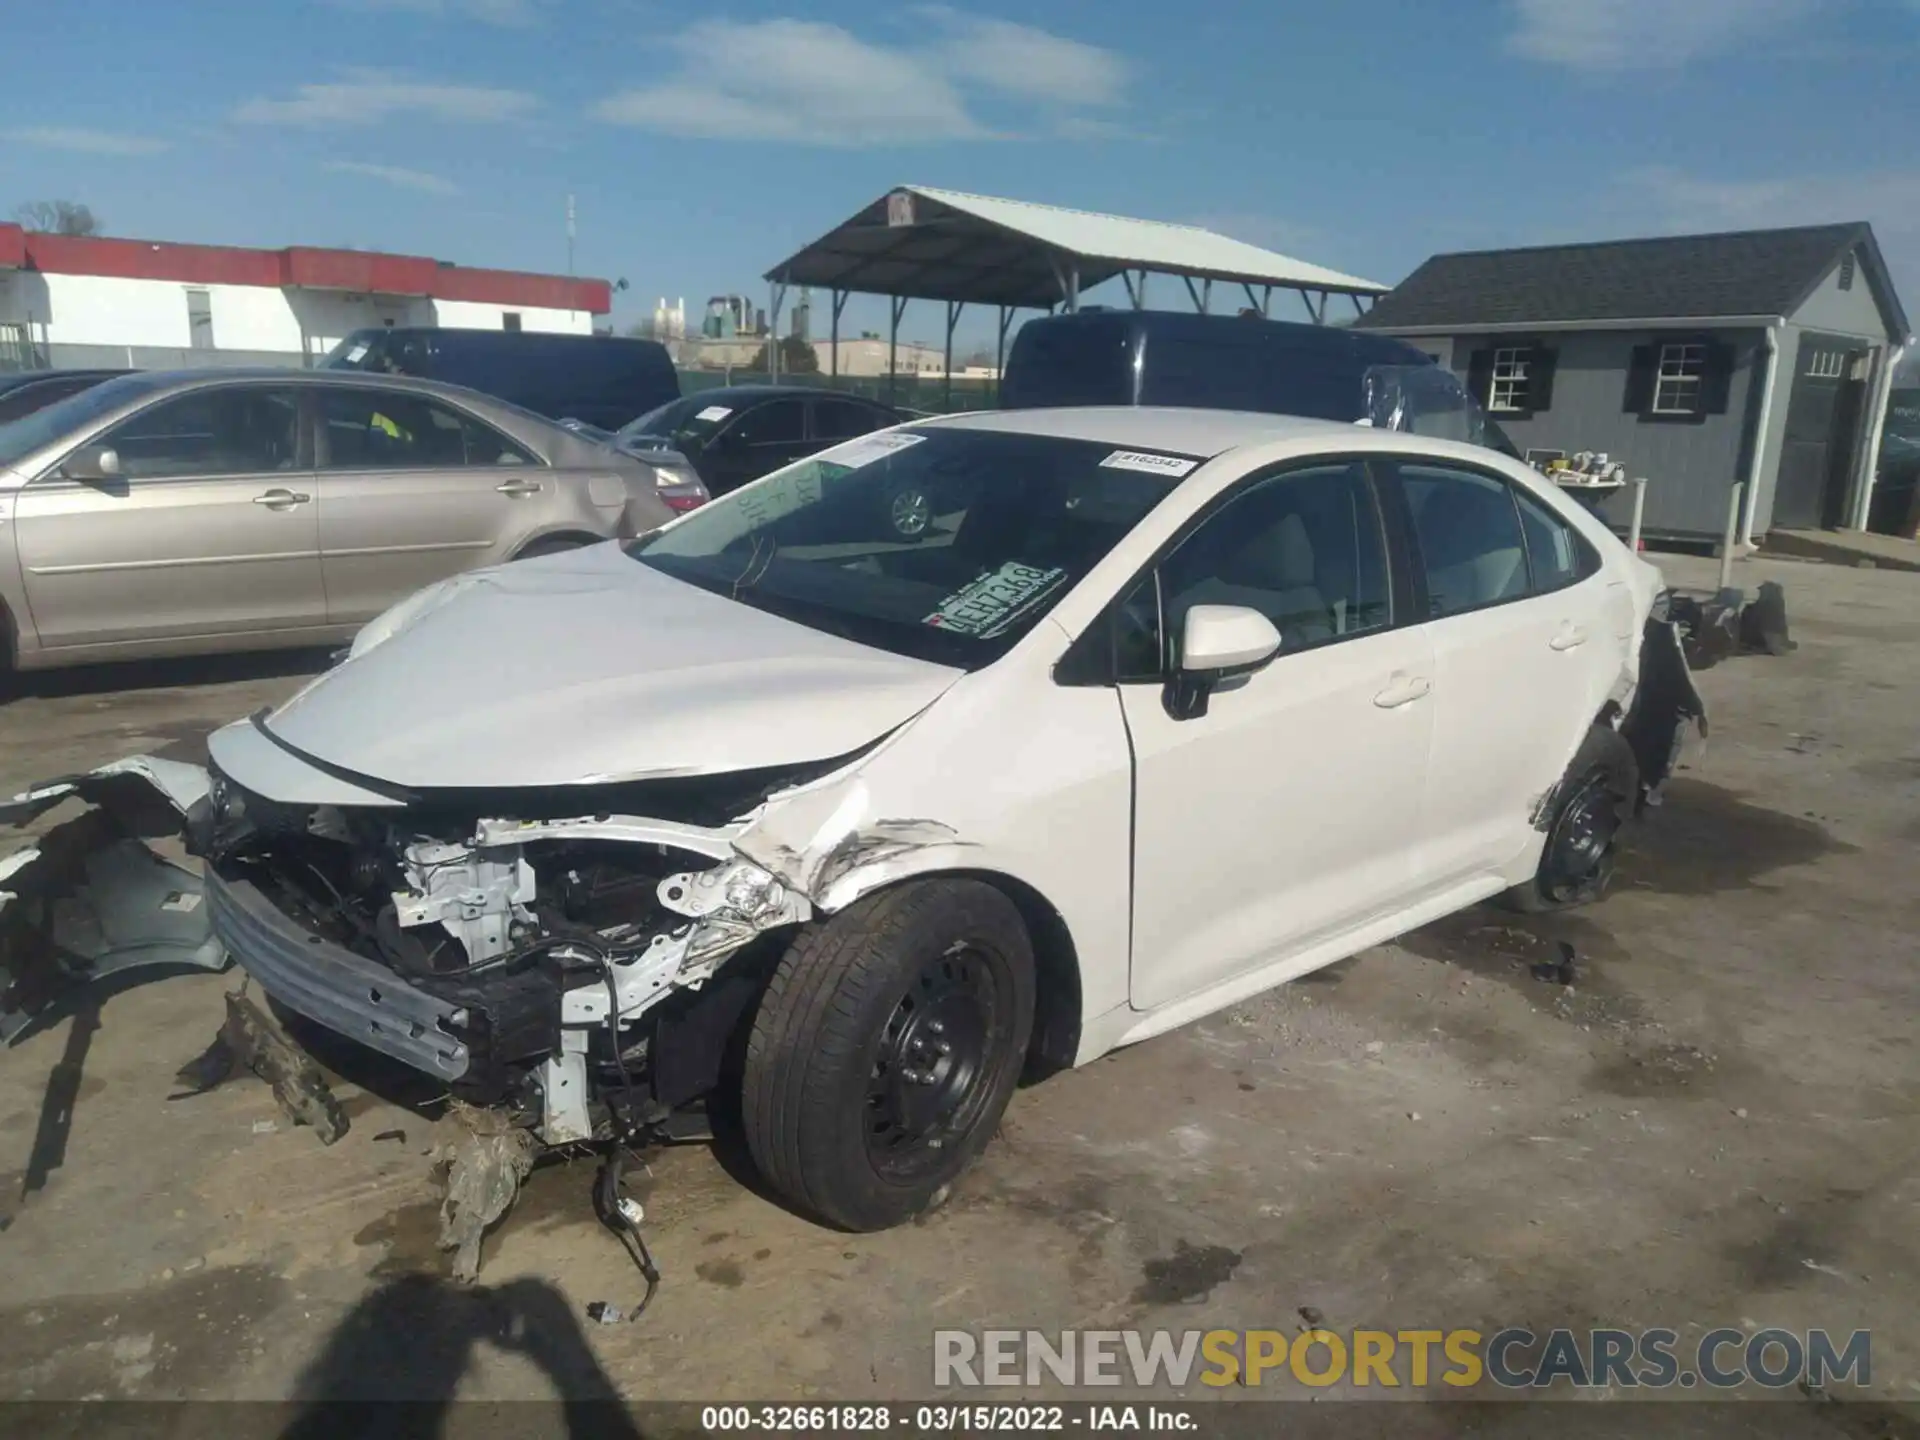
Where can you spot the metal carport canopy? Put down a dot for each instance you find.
(918, 243)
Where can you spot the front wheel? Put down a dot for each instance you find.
(1590, 806)
(885, 1049)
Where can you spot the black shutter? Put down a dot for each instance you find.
(1480, 375)
(1640, 373)
(1540, 378)
(1716, 379)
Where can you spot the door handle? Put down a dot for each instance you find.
(519, 489)
(1569, 636)
(1404, 690)
(278, 499)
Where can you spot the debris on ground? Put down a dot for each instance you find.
(485, 1169)
(257, 1042)
(1559, 970)
(1312, 1314)
(605, 1312)
(398, 1136)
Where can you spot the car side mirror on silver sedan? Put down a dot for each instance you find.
(93, 465)
(1217, 642)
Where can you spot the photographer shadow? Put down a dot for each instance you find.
(390, 1370)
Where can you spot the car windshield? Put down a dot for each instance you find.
(941, 544)
(20, 438)
(688, 422)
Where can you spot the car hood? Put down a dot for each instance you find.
(590, 667)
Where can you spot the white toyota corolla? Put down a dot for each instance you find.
(1163, 708)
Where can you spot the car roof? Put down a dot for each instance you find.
(1153, 427)
(163, 380)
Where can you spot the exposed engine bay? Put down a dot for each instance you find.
(549, 967)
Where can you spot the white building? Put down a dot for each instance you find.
(74, 300)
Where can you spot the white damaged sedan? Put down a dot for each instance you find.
(1161, 709)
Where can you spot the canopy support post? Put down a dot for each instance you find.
(775, 302)
(1133, 297)
(1000, 354)
(1067, 277)
(1206, 296)
(839, 298)
(896, 308)
(1358, 308)
(954, 307)
(1266, 302)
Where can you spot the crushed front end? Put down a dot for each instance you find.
(552, 966)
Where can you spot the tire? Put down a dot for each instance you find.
(552, 545)
(1591, 804)
(886, 1046)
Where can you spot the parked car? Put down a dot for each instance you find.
(738, 433)
(177, 513)
(1186, 704)
(1215, 362)
(600, 379)
(24, 391)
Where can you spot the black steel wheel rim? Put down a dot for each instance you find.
(1580, 845)
(933, 1070)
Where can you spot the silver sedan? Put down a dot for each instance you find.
(188, 512)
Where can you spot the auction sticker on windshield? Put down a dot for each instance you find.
(714, 412)
(988, 605)
(869, 448)
(1171, 466)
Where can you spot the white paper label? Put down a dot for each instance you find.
(1171, 466)
(869, 448)
(356, 354)
(714, 412)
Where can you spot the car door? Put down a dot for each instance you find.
(1526, 643)
(1287, 812)
(413, 489)
(208, 529)
(755, 442)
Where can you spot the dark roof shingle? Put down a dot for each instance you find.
(1742, 273)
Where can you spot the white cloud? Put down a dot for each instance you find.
(367, 97)
(1637, 34)
(505, 13)
(1028, 62)
(86, 142)
(807, 82)
(397, 176)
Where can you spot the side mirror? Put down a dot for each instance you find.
(1217, 642)
(93, 464)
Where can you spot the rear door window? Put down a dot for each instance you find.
(1467, 527)
(393, 430)
(836, 420)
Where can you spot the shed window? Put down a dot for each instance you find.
(1827, 364)
(1676, 389)
(1511, 368)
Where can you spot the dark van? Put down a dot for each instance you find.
(1210, 362)
(600, 379)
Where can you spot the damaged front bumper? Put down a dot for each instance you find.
(540, 965)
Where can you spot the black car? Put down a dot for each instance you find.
(24, 391)
(1221, 362)
(603, 380)
(740, 432)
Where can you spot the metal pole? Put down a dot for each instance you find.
(1639, 509)
(1732, 536)
(896, 307)
(1266, 302)
(1358, 308)
(777, 299)
(1143, 289)
(1073, 287)
(1206, 297)
(1000, 355)
(954, 307)
(839, 298)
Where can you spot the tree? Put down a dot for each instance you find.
(797, 357)
(58, 217)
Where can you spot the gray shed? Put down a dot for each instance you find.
(1699, 361)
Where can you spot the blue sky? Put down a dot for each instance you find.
(1364, 136)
